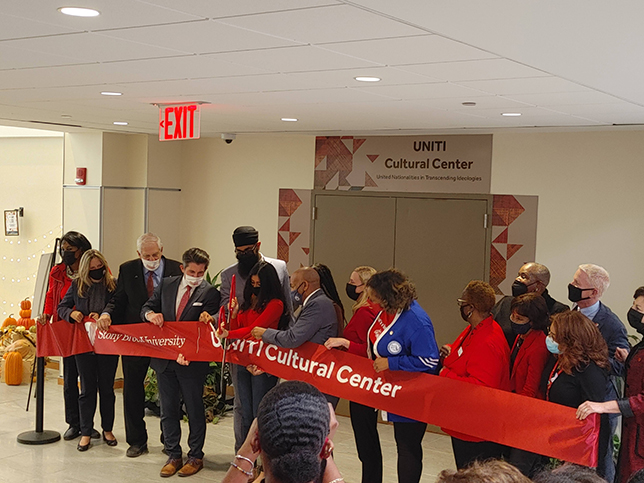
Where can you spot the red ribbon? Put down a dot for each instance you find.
(503, 417)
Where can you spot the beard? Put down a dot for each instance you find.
(246, 263)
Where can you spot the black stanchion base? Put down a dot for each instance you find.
(34, 437)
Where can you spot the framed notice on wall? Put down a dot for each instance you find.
(11, 223)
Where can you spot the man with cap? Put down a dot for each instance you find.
(247, 244)
(532, 277)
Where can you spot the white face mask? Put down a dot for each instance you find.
(151, 265)
(194, 282)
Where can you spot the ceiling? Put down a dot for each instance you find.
(559, 64)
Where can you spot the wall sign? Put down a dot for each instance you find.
(436, 164)
(179, 122)
(11, 223)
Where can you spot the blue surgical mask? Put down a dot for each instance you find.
(296, 297)
(552, 346)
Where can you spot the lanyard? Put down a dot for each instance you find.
(554, 374)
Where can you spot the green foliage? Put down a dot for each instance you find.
(151, 387)
(214, 281)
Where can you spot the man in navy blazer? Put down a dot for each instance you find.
(137, 280)
(182, 298)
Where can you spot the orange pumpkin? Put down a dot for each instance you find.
(9, 321)
(25, 314)
(25, 304)
(13, 368)
(25, 322)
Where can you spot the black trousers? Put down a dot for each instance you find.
(466, 452)
(528, 463)
(409, 438)
(70, 391)
(172, 388)
(134, 371)
(96, 372)
(364, 421)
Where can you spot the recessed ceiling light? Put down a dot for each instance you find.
(511, 114)
(79, 11)
(120, 123)
(469, 104)
(108, 93)
(289, 119)
(367, 79)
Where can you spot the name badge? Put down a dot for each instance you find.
(460, 351)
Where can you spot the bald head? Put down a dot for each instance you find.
(305, 280)
(534, 276)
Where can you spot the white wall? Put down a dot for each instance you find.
(31, 172)
(228, 185)
(590, 188)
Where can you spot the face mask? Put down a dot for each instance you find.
(194, 282)
(69, 258)
(97, 274)
(465, 316)
(552, 346)
(520, 328)
(351, 292)
(635, 319)
(519, 288)
(296, 297)
(151, 265)
(574, 293)
(256, 290)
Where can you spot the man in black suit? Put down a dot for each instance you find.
(188, 297)
(137, 280)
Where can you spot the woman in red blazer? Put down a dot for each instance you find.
(528, 358)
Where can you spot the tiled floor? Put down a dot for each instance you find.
(61, 462)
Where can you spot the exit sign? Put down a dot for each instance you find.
(179, 122)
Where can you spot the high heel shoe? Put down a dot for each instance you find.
(110, 442)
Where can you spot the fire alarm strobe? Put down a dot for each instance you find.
(81, 176)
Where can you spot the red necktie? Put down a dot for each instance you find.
(183, 302)
(150, 284)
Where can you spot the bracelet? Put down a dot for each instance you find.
(337, 480)
(252, 465)
(247, 473)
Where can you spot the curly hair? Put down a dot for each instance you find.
(533, 306)
(493, 471)
(393, 289)
(580, 341)
(481, 295)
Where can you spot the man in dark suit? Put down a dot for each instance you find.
(137, 280)
(188, 297)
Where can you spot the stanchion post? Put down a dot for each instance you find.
(39, 436)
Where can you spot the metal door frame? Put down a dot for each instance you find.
(487, 223)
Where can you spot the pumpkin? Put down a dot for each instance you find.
(25, 304)
(24, 322)
(13, 368)
(9, 321)
(25, 314)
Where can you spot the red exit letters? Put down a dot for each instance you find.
(179, 122)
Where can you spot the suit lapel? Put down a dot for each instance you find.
(141, 276)
(194, 296)
(170, 298)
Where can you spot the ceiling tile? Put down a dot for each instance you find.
(212, 9)
(423, 91)
(532, 85)
(16, 58)
(294, 59)
(324, 24)
(566, 98)
(199, 37)
(12, 27)
(614, 113)
(482, 102)
(474, 70)
(409, 50)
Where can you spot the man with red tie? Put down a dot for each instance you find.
(136, 282)
(182, 298)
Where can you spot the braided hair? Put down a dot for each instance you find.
(293, 424)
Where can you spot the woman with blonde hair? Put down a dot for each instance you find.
(87, 297)
(364, 419)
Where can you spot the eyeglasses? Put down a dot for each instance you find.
(248, 250)
(462, 303)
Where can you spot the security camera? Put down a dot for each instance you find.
(228, 137)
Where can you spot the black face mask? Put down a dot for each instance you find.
(256, 290)
(635, 319)
(247, 261)
(351, 292)
(519, 288)
(574, 293)
(520, 328)
(465, 316)
(69, 258)
(97, 274)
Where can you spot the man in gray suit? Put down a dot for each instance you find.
(316, 322)
(246, 240)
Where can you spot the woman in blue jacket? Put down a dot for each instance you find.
(402, 339)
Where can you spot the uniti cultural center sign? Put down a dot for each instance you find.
(437, 164)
